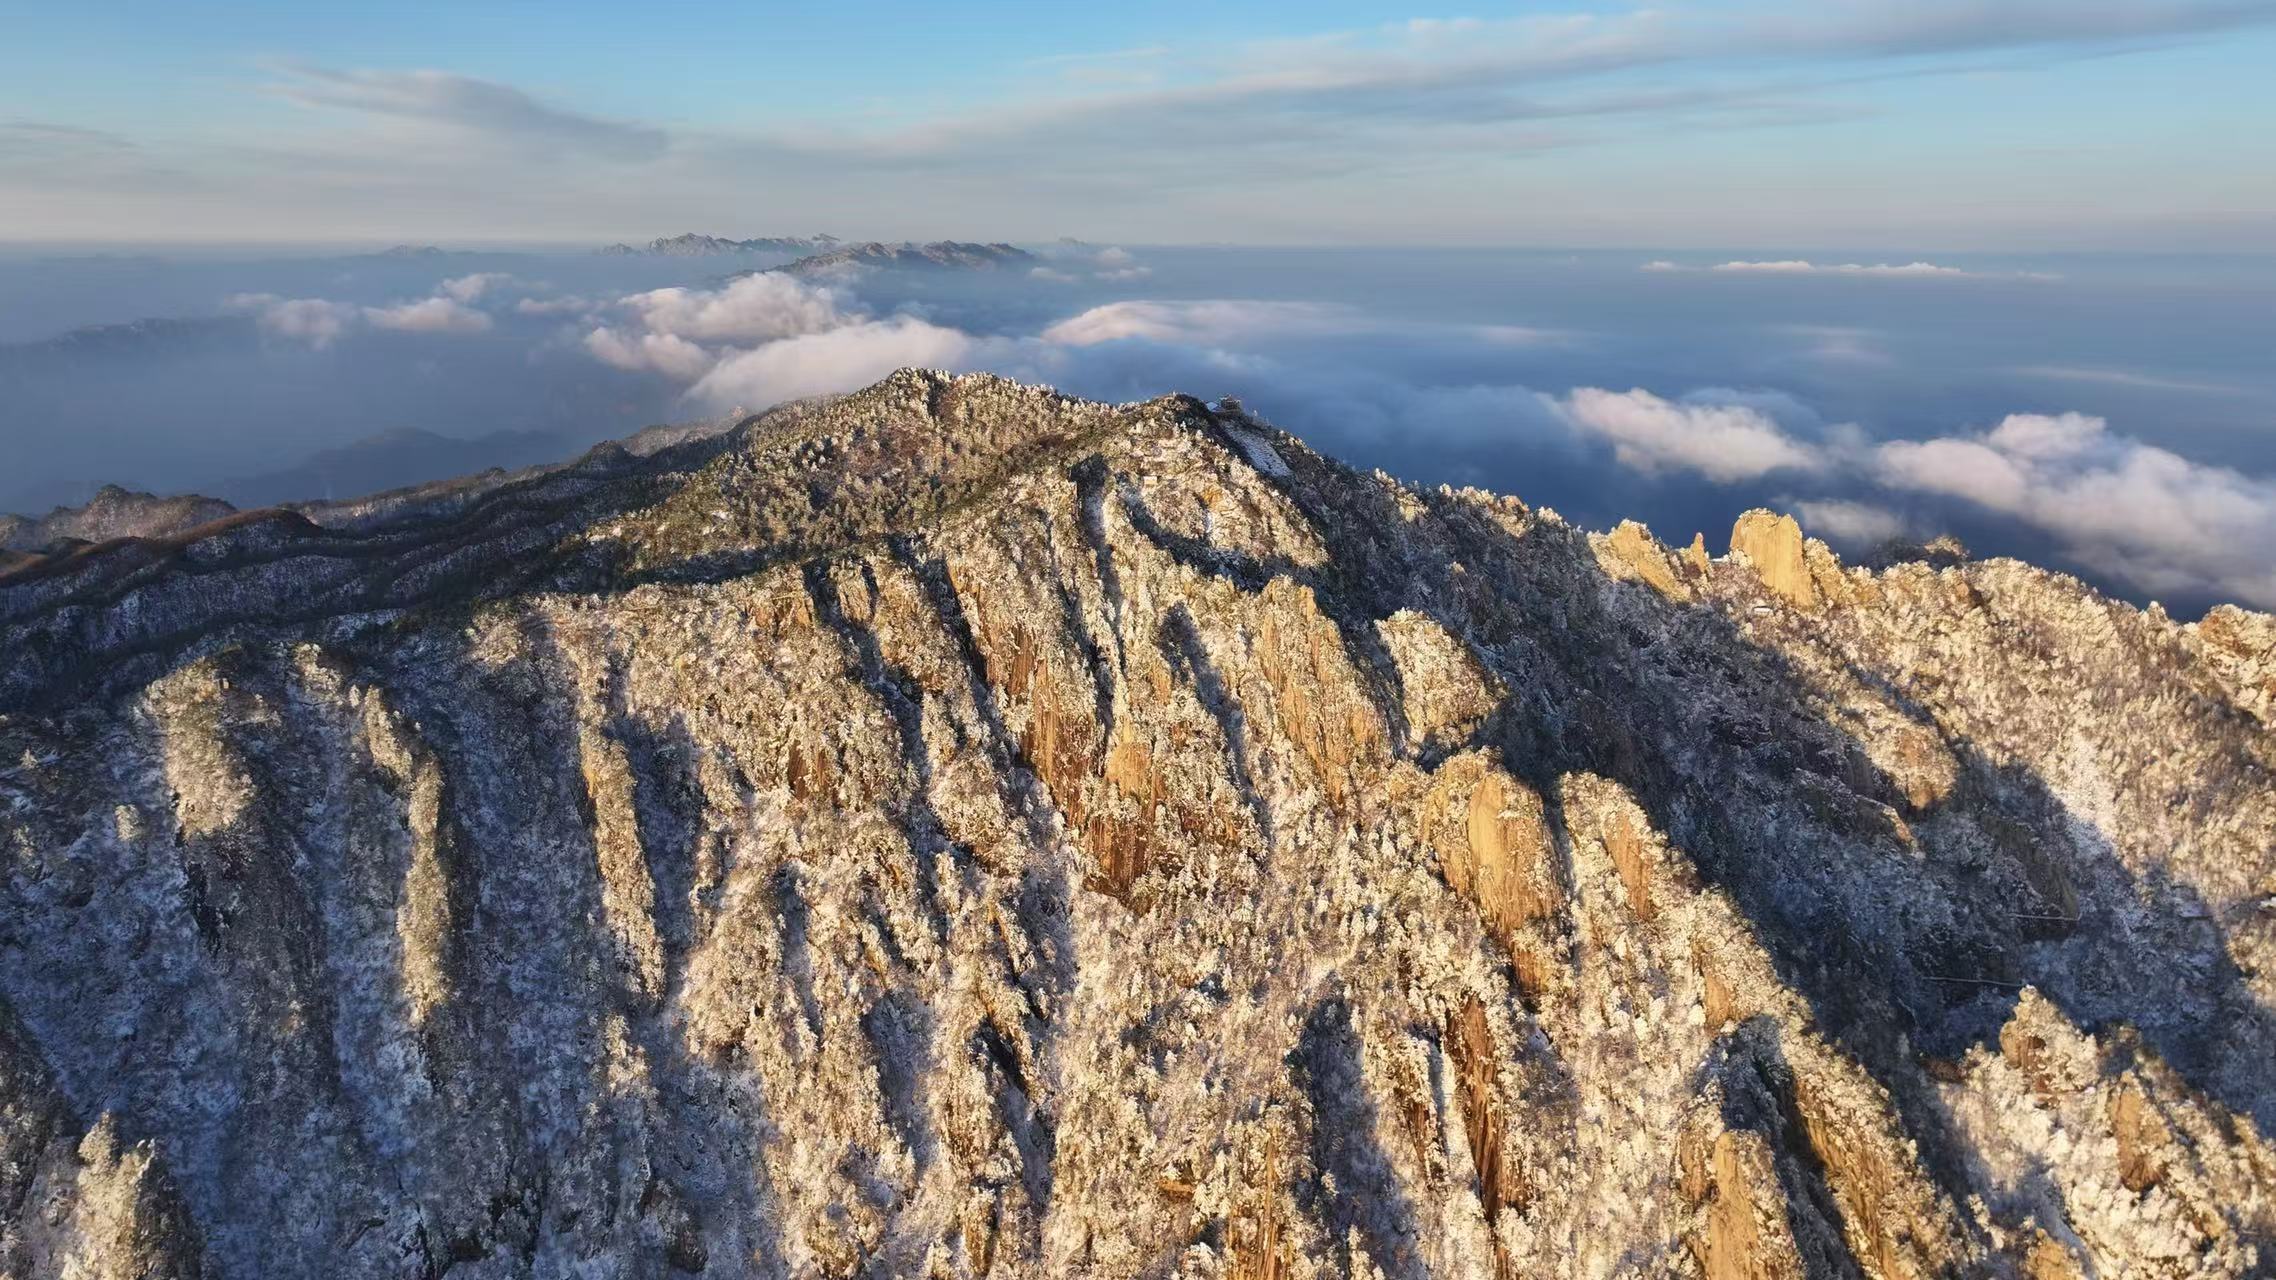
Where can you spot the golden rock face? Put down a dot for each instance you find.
(1772, 545)
(958, 830)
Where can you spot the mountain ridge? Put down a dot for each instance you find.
(693, 245)
(939, 255)
(959, 829)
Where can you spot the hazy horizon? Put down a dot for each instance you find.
(2103, 413)
(2003, 269)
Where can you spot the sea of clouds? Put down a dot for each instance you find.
(1444, 388)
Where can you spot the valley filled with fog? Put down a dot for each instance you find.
(2105, 414)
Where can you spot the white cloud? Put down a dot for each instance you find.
(753, 308)
(315, 321)
(567, 304)
(2143, 514)
(843, 272)
(1229, 327)
(1843, 344)
(1800, 267)
(1074, 259)
(1212, 321)
(665, 330)
(1853, 524)
(1518, 335)
(665, 353)
(838, 360)
(1724, 442)
(431, 315)
(469, 288)
(320, 322)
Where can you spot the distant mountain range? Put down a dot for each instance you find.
(392, 460)
(113, 512)
(189, 335)
(692, 245)
(940, 255)
(380, 477)
(418, 253)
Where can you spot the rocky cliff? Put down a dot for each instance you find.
(957, 830)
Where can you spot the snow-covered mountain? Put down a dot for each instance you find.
(692, 245)
(940, 255)
(959, 830)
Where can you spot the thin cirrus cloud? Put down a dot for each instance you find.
(2130, 378)
(40, 138)
(1424, 87)
(1404, 64)
(467, 104)
(1804, 267)
(1942, 26)
(1444, 102)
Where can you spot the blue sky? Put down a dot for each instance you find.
(1926, 124)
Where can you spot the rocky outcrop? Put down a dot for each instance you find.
(2240, 647)
(960, 830)
(112, 513)
(1630, 551)
(1771, 545)
(75, 1200)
